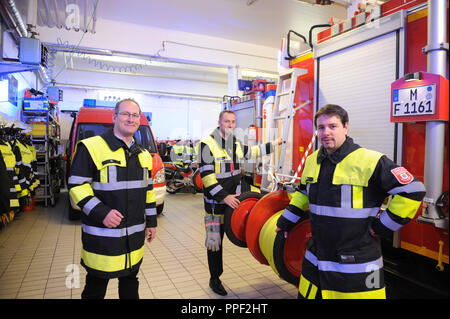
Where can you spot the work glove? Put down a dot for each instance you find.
(212, 226)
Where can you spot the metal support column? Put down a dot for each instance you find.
(436, 51)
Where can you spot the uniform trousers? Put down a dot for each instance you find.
(95, 287)
(215, 261)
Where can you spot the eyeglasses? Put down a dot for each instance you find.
(127, 115)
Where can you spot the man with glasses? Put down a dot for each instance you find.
(110, 180)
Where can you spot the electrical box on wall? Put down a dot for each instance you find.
(419, 96)
(30, 51)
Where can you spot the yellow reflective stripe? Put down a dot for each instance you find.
(221, 216)
(372, 294)
(14, 203)
(145, 158)
(300, 200)
(357, 196)
(303, 286)
(313, 292)
(403, 207)
(254, 151)
(209, 180)
(255, 189)
(311, 169)
(111, 263)
(104, 175)
(347, 172)
(151, 198)
(99, 151)
(80, 192)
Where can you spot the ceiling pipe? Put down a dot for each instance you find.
(20, 25)
(157, 93)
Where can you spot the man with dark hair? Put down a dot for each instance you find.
(111, 181)
(219, 162)
(342, 188)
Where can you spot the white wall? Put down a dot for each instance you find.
(172, 117)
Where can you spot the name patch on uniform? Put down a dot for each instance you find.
(402, 175)
(110, 161)
(347, 259)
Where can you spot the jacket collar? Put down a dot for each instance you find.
(113, 142)
(220, 140)
(346, 148)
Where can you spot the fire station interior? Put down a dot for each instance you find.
(65, 64)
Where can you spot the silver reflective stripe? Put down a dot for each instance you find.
(249, 152)
(238, 189)
(10, 168)
(145, 174)
(324, 265)
(119, 185)
(90, 205)
(346, 196)
(210, 201)
(311, 257)
(112, 174)
(150, 211)
(206, 168)
(27, 164)
(262, 149)
(78, 180)
(13, 189)
(227, 174)
(290, 216)
(388, 222)
(308, 186)
(351, 268)
(112, 232)
(408, 188)
(215, 190)
(343, 212)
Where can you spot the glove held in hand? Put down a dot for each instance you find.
(212, 226)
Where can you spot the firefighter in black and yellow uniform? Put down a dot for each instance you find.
(343, 186)
(219, 157)
(176, 153)
(10, 162)
(110, 180)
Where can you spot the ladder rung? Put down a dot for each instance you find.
(284, 93)
(279, 117)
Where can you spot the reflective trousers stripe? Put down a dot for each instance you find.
(372, 294)
(307, 289)
(111, 263)
(112, 232)
(324, 265)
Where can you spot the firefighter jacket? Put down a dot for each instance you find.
(13, 181)
(219, 164)
(105, 175)
(342, 193)
(23, 166)
(4, 189)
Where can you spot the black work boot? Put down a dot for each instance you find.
(216, 286)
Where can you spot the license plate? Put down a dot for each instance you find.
(418, 100)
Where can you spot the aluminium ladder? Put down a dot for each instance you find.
(282, 115)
